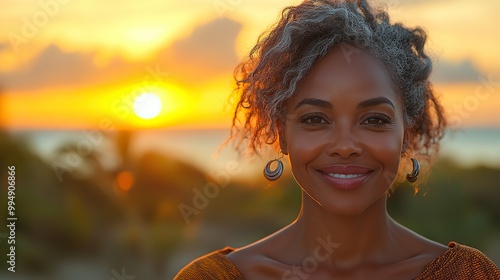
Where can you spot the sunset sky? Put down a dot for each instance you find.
(73, 64)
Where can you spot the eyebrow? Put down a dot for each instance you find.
(375, 101)
(364, 104)
(315, 102)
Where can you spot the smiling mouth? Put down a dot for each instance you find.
(345, 176)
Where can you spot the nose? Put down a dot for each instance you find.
(344, 143)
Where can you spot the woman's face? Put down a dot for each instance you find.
(344, 132)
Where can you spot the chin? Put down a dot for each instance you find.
(344, 209)
(347, 203)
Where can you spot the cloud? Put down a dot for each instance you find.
(206, 53)
(55, 67)
(455, 72)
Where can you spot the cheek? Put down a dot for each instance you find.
(305, 146)
(385, 143)
(386, 149)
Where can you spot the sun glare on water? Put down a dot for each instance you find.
(147, 106)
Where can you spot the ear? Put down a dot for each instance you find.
(280, 125)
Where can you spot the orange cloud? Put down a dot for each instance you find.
(66, 89)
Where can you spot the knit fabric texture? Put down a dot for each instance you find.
(214, 265)
(459, 262)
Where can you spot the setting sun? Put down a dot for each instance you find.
(147, 106)
(158, 105)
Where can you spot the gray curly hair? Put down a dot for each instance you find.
(267, 78)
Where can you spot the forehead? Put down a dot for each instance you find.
(346, 72)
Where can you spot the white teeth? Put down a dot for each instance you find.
(344, 176)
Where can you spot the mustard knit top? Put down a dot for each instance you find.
(458, 262)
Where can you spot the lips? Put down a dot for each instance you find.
(345, 177)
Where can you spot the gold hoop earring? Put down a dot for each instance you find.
(273, 175)
(413, 176)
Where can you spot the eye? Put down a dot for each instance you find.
(378, 120)
(313, 119)
(375, 121)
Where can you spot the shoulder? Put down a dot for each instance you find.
(253, 263)
(256, 261)
(214, 265)
(461, 262)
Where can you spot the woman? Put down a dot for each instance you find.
(345, 94)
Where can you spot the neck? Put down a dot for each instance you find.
(348, 239)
